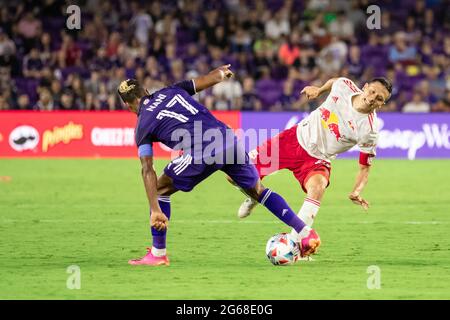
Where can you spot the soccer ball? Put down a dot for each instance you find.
(282, 250)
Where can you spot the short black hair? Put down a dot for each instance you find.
(130, 90)
(385, 82)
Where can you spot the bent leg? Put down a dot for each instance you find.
(315, 188)
(276, 204)
(165, 186)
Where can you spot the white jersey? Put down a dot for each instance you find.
(336, 126)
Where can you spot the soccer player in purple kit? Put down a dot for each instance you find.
(171, 116)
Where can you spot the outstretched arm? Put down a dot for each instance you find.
(313, 92)
(212, 78)
(361, 180)
(158, 220)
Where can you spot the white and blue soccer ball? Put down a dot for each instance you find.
(282, 250)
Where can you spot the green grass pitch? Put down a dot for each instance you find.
(94, 214)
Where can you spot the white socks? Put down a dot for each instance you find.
(158, 252)
(309, 211)
(307, 214)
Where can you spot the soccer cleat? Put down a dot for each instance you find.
(246, 208)
(151, 260)
(309, 243)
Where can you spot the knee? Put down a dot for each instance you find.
(165, 186)
(256, 191)
(316, 190)
(316, 187)
(164, 192)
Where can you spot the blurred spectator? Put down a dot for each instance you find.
(391, 106)
(32, 64)
(45, 102)
(45, 49)
(92, 84)
(424, 88)
(23, 102)
(412, 34)
(400, 51)
(388, 25)
(69, 53)
(68, 102)
(228, 95)
(253, 25)
(318, 5)
(220, 39)
(418, 12)
(305, 68)
(289, 51)
(79, 93)
(30, 29)
(443, 105)
(7, 49)
(342, 27)
(435, 79)
(56, 91)
(355, 65)
(332, 57)
(46, 78)
(417, 104)
(277, 26)
(4, 103)
(142, 22)
(101, 62)
(250, 100)
(112, 47)
(167, 26)
(357, 16)
(241, 41)
(289, 101)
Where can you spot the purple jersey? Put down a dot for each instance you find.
(168, 115)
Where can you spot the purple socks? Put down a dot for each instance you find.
(278, 206)
(159, 237)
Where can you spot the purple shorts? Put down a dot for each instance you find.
(186, 172)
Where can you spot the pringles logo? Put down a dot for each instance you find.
(24, 138)
(330, 121)
(66, 134)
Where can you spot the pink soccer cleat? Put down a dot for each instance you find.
(310, 243)
(151, 260)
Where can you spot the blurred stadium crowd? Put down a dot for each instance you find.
(274, 47)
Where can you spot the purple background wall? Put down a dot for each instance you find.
(407, 136)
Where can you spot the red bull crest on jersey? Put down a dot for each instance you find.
(331, 121)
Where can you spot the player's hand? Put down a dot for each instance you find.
(311, 92)
(357, 199)
(225, 72)
(159, 221)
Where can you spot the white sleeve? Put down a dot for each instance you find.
(344, 86)
(369, 143)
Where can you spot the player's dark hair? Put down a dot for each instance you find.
(130, 90)
(385, 82)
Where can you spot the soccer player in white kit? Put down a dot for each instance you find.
(346, 118)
